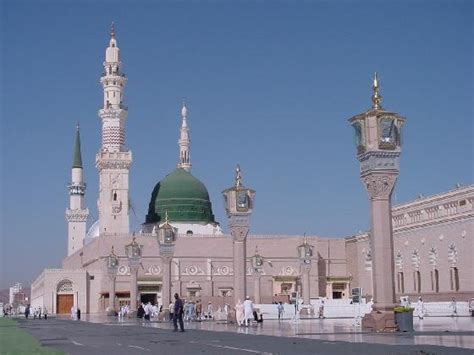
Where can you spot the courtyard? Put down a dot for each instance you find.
(101, 334)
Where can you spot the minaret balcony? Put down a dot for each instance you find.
(77, 188)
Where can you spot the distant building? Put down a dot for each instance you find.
(433, 236)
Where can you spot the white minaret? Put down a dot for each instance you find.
(184, 142)
(114, 159)
(76, 214)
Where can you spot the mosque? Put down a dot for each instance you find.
(433, 238)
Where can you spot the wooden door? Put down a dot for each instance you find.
(64, 303)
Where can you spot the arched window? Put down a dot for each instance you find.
(401, 282)
(454, 279)
(65, 286)
(417, 281)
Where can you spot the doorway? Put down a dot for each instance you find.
(64, 303)
(148, 297)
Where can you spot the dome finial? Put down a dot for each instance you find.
(305, 240)
(376, 97)
(166, 217)
(238, 176)
(112, 251)
(112, 30)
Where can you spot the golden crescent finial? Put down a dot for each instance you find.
(376, 97)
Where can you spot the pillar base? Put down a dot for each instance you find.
(380, 321)
(111, 311)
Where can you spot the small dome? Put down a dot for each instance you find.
(184, 197)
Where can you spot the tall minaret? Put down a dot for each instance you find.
(184, 142)
(114, 159)
(76, 214)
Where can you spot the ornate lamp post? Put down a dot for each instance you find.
(134, 255)
(112, 266)
(257, 267)
(238, 205)
(305, 253)
(166, 242)
(378, 142)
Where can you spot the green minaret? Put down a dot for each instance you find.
(77, 158)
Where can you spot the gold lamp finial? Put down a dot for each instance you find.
(376, 97)
(238, 176)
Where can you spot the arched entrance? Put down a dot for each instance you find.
(64, 297)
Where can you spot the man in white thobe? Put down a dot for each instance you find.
(248, 310)
(420, 308)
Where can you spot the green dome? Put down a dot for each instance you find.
(184, 197)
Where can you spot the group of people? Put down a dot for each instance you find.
(420, 308)
(245, 312)
(147, 310)
(193, 311)
(36, 312)
(75, 313)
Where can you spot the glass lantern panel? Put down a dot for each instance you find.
(388, 131)
(168, 236)
(242, 200)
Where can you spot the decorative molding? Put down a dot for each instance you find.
(77, 215)
(416, 259)
(288, 270)
(153, 270)
(123, 270)
(224, 270)
(452, 254)
(192, 270)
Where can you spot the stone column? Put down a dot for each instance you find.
(305, 269)
(256, 296)
(111, 308)
(239, 235)
(166, 290)
(133, 288)
(379, 187)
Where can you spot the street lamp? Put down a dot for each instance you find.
(166, 241)
(112, 265)
(238, 206)
(134, 255)
(378, 144)
(305, 253)
(257, 266)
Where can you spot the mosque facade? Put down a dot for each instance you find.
(433, 238)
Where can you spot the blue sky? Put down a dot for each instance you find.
(269, 85)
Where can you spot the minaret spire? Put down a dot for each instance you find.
(77, 157)
(76, 214)
(376, 98)
(184, 143)
(114, 158)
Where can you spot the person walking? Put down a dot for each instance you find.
(45, 312)
(321, 310)
(210, 311)
(420, 308)
(454, 308)
(171, 309)
(239, 312)
(248, 310)
(178, 313)
(78, 314)
(27, 311)
(198, 310)
(280, 309)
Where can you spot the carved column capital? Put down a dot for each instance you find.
(305, 268)
(239, 233)
(379, 185)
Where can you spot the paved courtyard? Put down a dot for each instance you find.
(100, 334)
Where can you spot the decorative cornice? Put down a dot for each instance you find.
(78, 215)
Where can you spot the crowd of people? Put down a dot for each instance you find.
(36, 312)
